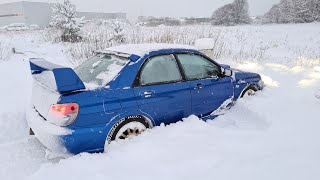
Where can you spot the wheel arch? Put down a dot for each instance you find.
(250, 85)
(111, 126)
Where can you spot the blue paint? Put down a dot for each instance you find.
(66, 79)
(101, 108)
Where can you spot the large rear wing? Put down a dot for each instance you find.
(55, 77)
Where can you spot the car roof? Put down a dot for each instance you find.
(143, 49)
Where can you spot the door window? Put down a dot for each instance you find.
(198, 67)
(160, 69)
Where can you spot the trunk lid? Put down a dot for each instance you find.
(50, 81)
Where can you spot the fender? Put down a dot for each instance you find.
(126, 114)
(252, 84)
(119, 117)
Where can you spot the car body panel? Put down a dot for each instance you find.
(65, 79)
(103, 107)
(209, 94)
(166, 102)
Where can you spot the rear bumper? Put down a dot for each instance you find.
(64, 141)
(48, 134)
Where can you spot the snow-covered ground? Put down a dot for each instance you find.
(270, 136)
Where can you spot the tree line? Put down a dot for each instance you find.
(294, 11)
(286, 11)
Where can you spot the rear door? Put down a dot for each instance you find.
(160, 90)
(208, 88)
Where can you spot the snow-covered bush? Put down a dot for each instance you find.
(232, 14)
(99, 36)
(118, 33)
(222, 40)
(294, 11)
(65, 19)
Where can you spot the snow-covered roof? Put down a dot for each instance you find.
(142, 49)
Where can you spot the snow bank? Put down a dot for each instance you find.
(270, 136)
(15, 92)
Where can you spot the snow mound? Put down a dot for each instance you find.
(142, 49)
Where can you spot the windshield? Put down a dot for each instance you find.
(100, 69)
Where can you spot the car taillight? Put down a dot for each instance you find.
(63, 114)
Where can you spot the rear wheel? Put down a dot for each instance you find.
(249, 91)
(127, 128)
(130, 130)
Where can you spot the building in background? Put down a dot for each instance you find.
(40, 14)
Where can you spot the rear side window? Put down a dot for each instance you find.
(160, 69)
(198, 67)
(100, 69)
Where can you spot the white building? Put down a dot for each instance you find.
(40, 13)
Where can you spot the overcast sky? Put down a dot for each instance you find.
(175, 8)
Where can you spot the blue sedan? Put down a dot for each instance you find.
(122, 91)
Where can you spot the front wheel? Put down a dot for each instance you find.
(127, 128)
(249, 91)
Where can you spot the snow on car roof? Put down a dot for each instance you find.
(142, 49)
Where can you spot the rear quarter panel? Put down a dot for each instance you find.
(93, 111)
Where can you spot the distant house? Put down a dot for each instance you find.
(40, 13)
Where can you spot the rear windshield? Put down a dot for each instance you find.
(100, 69)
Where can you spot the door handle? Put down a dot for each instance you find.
(199, 86)
(147, 94)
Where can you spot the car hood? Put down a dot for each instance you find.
(242, 75)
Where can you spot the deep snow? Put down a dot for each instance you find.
(270, 136)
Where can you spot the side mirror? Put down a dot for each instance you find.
(227, 72)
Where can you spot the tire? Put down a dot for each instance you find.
(249, 91)
(126, 128)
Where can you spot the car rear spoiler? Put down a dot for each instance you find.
(55, 77)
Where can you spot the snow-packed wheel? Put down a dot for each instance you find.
(127, 128)
(249, 91)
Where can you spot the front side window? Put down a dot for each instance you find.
(160, 69)
(198, 67)
(100, 69)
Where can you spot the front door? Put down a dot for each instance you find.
(160, 91)
(209, 89)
